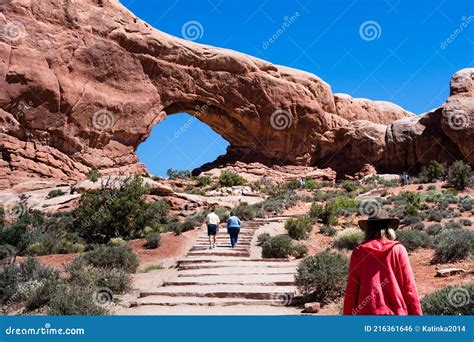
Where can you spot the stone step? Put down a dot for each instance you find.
(196, 260)
(223, 291)
(200, 301)
(220, 248)
(238, 264)
(211, 252)
(237, 270)
(256, 279)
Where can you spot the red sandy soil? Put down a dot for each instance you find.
(172, 246)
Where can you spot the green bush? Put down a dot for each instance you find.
(70, 300)
(450, 301)
(433, 171)
(118, 212)
(310, 184)
(435, 215)
(316, 211)
(299, 251)
(244, 211)
(453, 244)
(55, 193)
(39, 294)
(434, 229)
(299, 227)
(322, 277)
(349, 238)
(178, 174)
(119, 257)
(414, 239)
(93, 175)
(202, 181)
(453, 225)
(465, 222)
(349, 186)
(231, 178)
(86, 275)
(262, 238)
(465, 204)
(279, 246)
(16, 278)
(328, 230)
(459, 175)
(153, 240)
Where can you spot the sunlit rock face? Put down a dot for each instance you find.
(83, 83)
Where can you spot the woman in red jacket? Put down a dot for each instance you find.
(381, 280)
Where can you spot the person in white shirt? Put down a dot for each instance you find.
(212, 221)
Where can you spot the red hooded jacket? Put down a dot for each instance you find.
(381, 281)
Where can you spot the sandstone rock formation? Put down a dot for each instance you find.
(83, 83)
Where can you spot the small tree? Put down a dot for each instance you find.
(434, 171)
(459, 175)
(231, 178)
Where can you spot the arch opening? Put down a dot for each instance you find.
(180, 142)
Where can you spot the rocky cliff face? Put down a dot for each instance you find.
(84, 81)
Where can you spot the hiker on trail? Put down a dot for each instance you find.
(380, 281)
(302, 183)
(212, 221)
(233, 228)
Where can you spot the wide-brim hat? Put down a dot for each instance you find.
(382, 217)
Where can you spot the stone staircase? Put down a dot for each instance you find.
(224, 280)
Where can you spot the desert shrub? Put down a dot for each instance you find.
(223, 213)
(231, 178)
(435, 215)
(459, 175)
(465, 222)
(18, 278)
(431, 187)
(292, 184)
(434, 229)
(279, 246)
(349, 238)
(178, 174)
(451, 300)
(299, 228)
(279, 200)
(316, 211)
(322, 277)
(349, 186)
(262, 238)
(328, 230)
(299, 251)
(433, 171)
(74, 300)
(118, 212)
(203, 181)
(465, 204)
(414, 239)
(410, 220)
(119, 257)
(55, 193)
(153, 240)
(39, 294)
(418, 226)
(83, 274)
(93, 175)
(452, 245)
(310, 184)
(244, 211)
(452, 225)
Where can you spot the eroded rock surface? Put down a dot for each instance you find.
(83, 83)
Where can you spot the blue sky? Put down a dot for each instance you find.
(403, 51)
